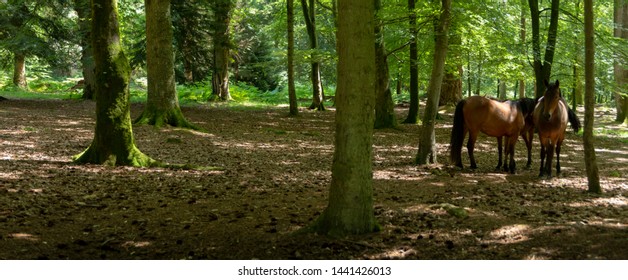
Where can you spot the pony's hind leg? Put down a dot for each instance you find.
(511, 151)
(473, 136)
(527, 137)
(499, 151)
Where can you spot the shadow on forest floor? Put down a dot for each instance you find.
(274, 181)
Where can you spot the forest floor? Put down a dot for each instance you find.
(272, 179)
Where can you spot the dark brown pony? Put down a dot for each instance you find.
(550, 118)
(527, 133)
(493, 118)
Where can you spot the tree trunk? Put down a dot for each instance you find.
(522, 38)
(620, 68)
(451, 89)
(113, 142)
(83, 10)
(222, 45)
(309, 14)
(478, 81)
(502, 90)
(350, 208)
(19, 70)
(589, 72)
(292, 96)
(384, 106)
(413, 111)
(427, 145)
(162, 103)
(543, 66)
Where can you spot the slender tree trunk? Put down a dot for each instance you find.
(478, 81)
(589, 148)
(469, 74)
(350, 208)
(543, 66)
(83, 10)
(620, 66)
(502, 90)
(113, 142)
(427, 145)
(384, 106)
(19, 70)
(451, 89)
(309, 14)
(413, 111)
(522, 38)
(292, 96)
(222, 45)
(162, 103)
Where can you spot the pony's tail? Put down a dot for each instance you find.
(457, 135)
(573, 120)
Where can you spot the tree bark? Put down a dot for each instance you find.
(413, 111)
(384, 106)
(350, 208)
(222, 45)
(19, 70)
(427, 145)
(451, 89)
(589, 148)
(522, 38)
(543, 66)
(309, 14)
(620, 69)
(162, 103)
(83, 10)
(292, 96)
(113, 142)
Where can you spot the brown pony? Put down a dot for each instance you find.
(550, 118)
(493, 118)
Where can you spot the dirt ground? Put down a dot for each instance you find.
(273, 178)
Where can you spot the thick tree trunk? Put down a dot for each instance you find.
(83, 10)
(162, 104)
(19, 70)
(350, 208)
(413, 111)
(292, 96)
(502, 90)
(222, 45)
(451, 89)
(113, 142)
(543, 66)
(427, 145)
(384, 106)
(309, 14)
(589, 148)
(620, 67)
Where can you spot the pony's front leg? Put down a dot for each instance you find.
(548, 162)
(558, 144)
(527, 137)
(544, 145)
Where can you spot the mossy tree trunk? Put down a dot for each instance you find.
(162, 104)
(589, 105)
(350, 208)
(113, 142)
(413, 111)
(384, 106)
(427, 143)
(19, 70)
(222, 49)
(292, 95)
(83, 10)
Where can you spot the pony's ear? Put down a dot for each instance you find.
(556, 83)
(545, 83)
